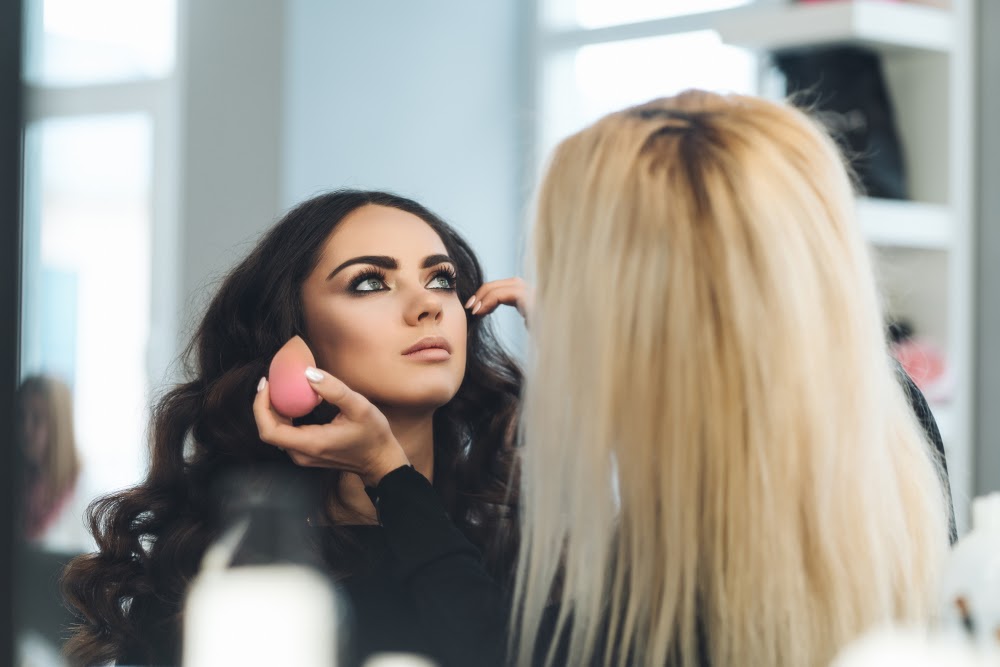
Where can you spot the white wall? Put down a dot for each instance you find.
(230, 82)
(419, 98)
(282, 99)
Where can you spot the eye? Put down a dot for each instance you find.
(444, 279)
(370, 280)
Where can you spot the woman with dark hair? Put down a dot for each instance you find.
(419, 420)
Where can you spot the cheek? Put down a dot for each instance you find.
(458, 331)
(343, 342)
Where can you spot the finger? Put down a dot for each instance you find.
(353, 406)
(278, 430)
(268, 419)
(304, 460)
(510, 295)
(485, 288)
(308, 440)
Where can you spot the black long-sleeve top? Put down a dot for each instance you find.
(423, 588)
(426, 590)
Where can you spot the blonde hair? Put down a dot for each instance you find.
(719, 461)
(60, 463)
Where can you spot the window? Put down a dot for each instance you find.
(87, 307)
(74, 43)
(99, 86)
(596, 56)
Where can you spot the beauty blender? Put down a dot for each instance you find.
(291, 393)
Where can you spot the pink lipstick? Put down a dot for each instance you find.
(430, 348)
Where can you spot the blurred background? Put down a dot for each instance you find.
(161, 137)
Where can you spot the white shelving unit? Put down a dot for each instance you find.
(923, 246)
(879, 24)
(905, 224)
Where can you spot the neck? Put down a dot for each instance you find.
(415, 433)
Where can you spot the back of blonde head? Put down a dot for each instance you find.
(60, 462)
(720, 465)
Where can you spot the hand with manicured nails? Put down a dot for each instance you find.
(509, 292)
(358, 440)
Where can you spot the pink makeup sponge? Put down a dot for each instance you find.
(291, 393)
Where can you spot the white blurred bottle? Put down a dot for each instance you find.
(399, 660)
(970, 601)
(909, 647)
(260, 598)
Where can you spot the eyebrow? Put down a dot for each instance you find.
(386, 262)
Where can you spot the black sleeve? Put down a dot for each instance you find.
(464, 609)
(926, 418)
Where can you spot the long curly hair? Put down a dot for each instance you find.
(151, 537)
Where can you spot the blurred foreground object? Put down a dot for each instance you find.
(909, 647)
(259, 599)
(971, 585)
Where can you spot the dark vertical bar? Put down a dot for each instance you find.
(11, 98)
(986, 358)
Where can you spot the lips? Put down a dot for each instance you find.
(429, 343)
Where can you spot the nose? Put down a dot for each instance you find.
(425, 306)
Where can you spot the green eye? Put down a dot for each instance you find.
(442, 282)
(372, 280)
(444, 279)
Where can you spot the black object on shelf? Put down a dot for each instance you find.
(844, 87)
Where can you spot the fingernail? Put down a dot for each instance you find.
(261, 384)
(478, 306)
(314, 375)
(472, 300)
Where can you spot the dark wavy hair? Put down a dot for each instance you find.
(151, 537)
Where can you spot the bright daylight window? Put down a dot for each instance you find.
(590, 66)
(96, 74)
(74, 43)
(89, 292)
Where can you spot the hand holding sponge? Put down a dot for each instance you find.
(291, 393)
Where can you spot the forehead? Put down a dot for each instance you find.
(382, 230)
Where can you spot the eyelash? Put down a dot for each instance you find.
(367, 274)
(452, 276)
(378, 274)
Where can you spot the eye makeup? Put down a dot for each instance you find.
(373, 279)
(446, 271)
(366, 277)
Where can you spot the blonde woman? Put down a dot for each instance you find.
(721, 465)
(48, 444)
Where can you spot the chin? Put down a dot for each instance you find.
(418, 398)
(430, 400)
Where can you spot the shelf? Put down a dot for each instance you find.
(886, 25)
(905, 224)
(881, 24)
